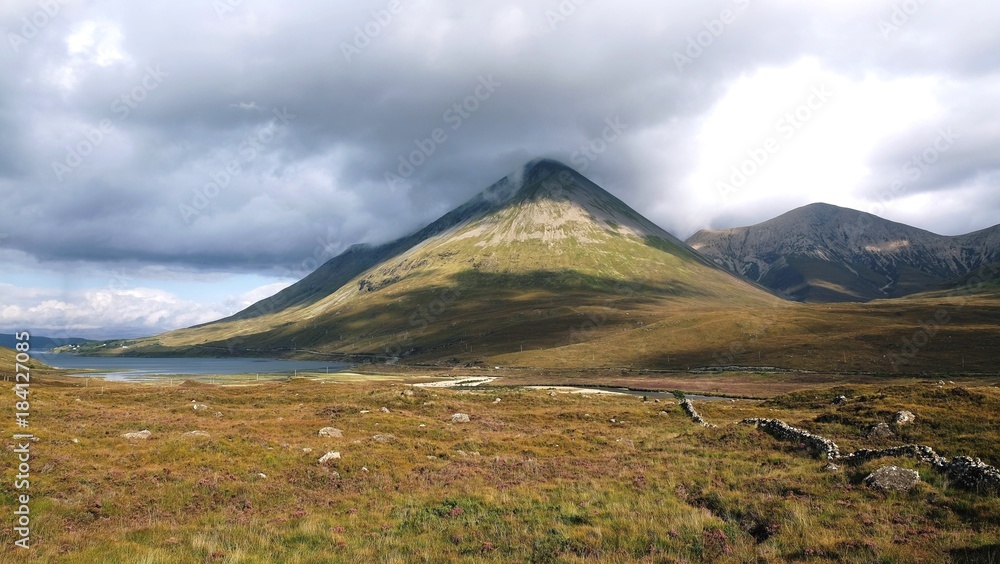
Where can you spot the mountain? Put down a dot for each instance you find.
(545, 258)
(824, 253)
(38, 342)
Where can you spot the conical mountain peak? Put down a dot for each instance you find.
(540, 242)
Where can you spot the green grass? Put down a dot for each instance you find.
(554, 478)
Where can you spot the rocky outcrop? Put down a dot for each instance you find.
(893, 478)
(785, 432)
(688, 408)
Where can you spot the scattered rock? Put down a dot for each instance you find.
(831, 467)
(893, 478)
(384, 410)
(905, 418)
(199, 407)
(664, 413)
(839, 400)
(76, 441)
(552, 394)
(364, 411)
(262, 475)
(429, 457)
(141, 435)
(421, 425)
(879, 431)
(331, 432)
(196, 433)
(496, 400)
(307, 449)
(329, 456)
(408, 393)
(460, 418)
(386, 438)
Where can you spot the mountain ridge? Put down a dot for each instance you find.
(827, 253)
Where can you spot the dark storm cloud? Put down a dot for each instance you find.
(296, 132)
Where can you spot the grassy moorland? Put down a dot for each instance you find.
(534, 477)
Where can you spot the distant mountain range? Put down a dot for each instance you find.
(38, 342)
(824, 253)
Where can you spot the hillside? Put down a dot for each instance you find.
(546, 260)
(824, 253)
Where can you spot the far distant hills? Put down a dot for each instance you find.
(38, 342)
(825, 253)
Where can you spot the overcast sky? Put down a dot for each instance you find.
(168, 163)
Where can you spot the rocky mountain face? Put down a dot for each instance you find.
(520, 261)
(824, 253)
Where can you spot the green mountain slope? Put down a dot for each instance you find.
(535, 262)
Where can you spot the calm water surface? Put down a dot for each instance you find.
(136, 369)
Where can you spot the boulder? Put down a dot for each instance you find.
(893, 478)
(141, 435)
(879, 431)
(460, 418)
(386, 438)
(331, 432)
(329, 456)
(905, 418)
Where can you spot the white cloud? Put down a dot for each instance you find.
(91, 44)
(101, 312)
